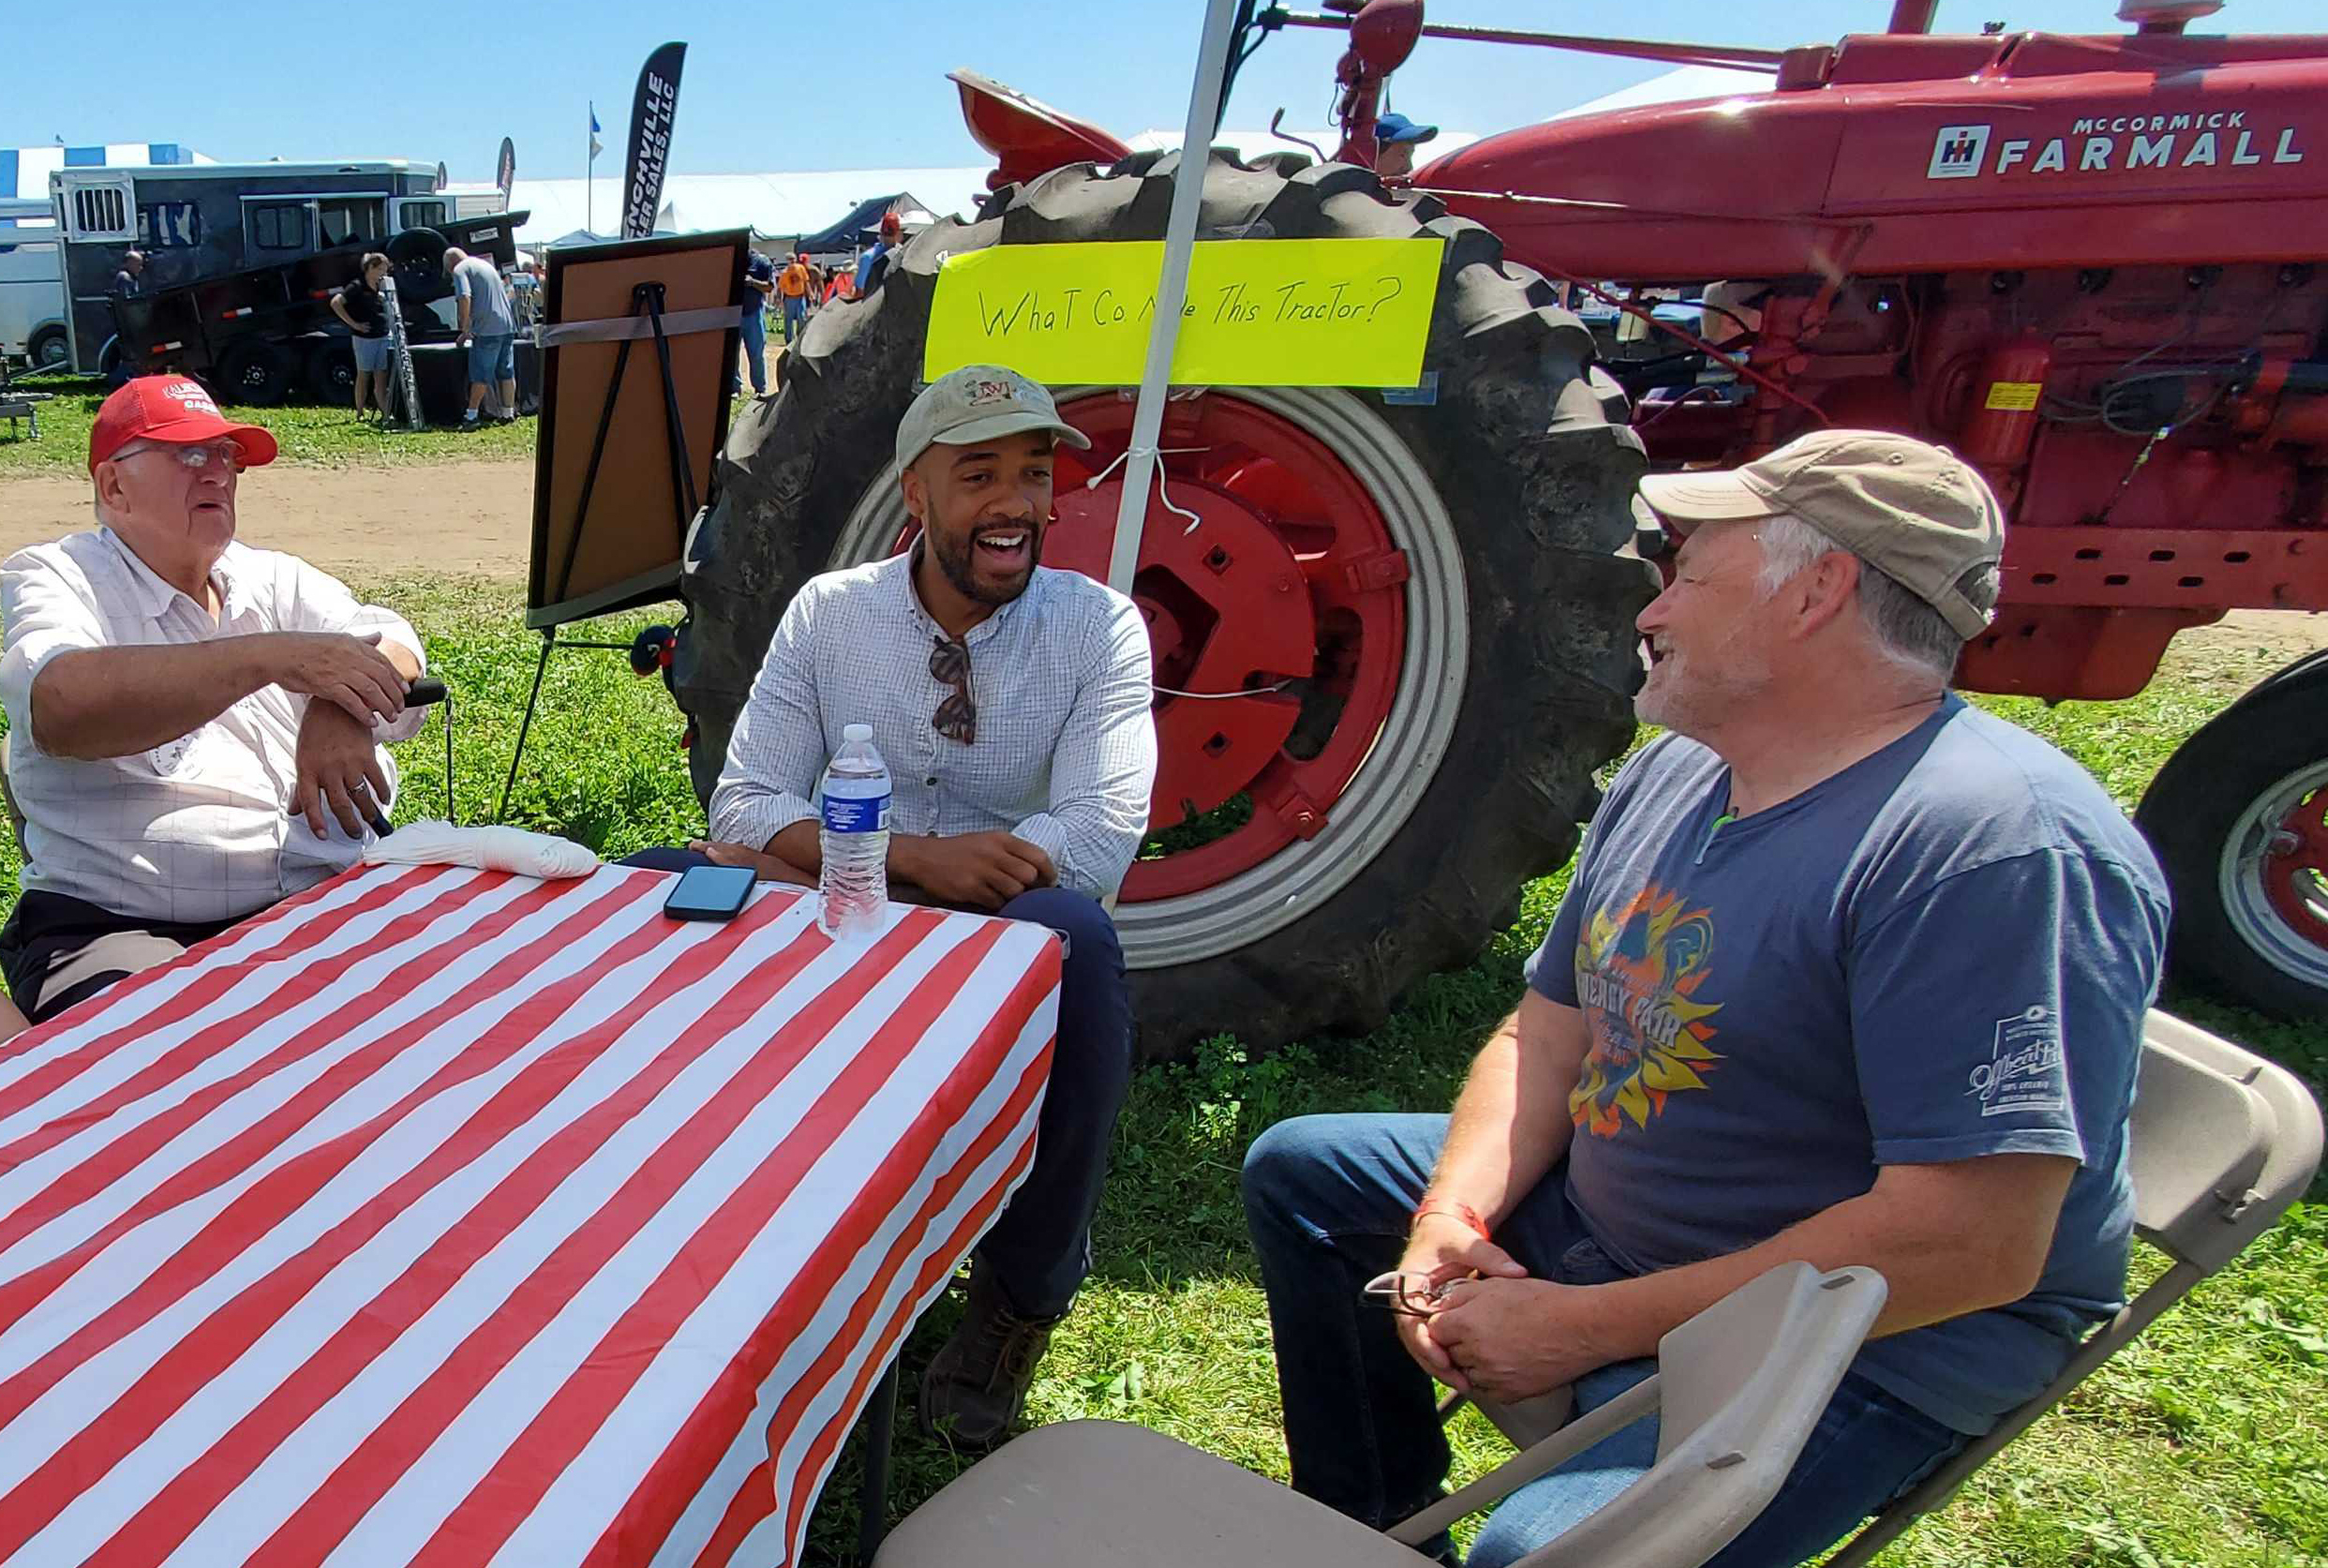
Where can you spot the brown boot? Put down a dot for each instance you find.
(976, 1383)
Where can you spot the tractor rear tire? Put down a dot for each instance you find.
(2239, 818)
(1513, 492)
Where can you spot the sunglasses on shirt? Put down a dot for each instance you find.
(957, 717)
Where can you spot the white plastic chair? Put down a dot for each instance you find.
(2222, 1143)
(1736, 1391)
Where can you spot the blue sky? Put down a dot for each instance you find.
(779, 86)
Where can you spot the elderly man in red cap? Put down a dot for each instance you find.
(194, 726)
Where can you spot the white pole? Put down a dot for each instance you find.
(1172, 290)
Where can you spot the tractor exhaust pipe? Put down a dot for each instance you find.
(1912, 16)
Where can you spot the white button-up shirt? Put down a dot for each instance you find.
(1065, 749)
(199, 829)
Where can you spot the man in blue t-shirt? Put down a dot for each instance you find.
(1849, 972)
(759, 288)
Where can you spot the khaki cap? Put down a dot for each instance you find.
(1916, 512)
(978, 403)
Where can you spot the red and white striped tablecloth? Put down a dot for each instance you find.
(447, 1217)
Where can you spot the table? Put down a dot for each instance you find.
(447, 1217)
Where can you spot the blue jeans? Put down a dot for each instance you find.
(1040, 1248)
(755, 353)
(796, 315)
(1328, 1199)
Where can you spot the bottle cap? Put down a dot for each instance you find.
(857, 731)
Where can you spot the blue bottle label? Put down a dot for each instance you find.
(843, 816)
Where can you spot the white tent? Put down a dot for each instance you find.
(773, 206)
(24, 171)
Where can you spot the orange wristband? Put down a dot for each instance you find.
(1453, 1210)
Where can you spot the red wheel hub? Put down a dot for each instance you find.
(2295, 868)
(1276, 619)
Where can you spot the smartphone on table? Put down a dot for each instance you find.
(710, 893)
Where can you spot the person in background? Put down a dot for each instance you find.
(1395, 137)
(843, 285)
(1011, 703)
(760, 287)
(488, 330)
(365, 310)
(1849, 972)
(874, 264)
(129, 283)
(195, 726)
(525, 292)
(792, 289)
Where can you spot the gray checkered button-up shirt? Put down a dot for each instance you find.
(1066, 749)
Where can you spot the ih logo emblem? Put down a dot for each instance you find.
(1958, 153)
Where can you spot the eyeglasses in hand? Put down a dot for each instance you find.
(1407, 1293)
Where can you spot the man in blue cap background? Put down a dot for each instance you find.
(1395, 137)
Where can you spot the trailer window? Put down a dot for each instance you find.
(101, 213)
(279, 226)
(170, 225)
(347, 219)
(422, 215)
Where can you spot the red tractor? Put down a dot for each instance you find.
(1393, 631)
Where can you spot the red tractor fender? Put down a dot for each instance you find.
(1028, 136)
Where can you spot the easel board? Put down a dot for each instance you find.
(626, 551)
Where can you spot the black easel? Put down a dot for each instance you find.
(647, 300)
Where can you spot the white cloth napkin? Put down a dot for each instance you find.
(440, 843)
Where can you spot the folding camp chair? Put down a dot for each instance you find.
(1736, 1391)
(2222, 1142)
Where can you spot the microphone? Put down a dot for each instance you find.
(420, 694)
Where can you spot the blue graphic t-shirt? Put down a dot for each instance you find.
(1943, 951)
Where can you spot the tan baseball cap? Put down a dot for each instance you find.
(1916, 512)
(978, 403)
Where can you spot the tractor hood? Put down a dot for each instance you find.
(1897, 153)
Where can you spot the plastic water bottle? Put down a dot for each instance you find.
(853, 894)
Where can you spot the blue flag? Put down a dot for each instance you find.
(595, 125)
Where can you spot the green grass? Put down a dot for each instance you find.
(2206, 1445)
(308, 434)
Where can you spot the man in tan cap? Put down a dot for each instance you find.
(1010, 702)
(1848, 973)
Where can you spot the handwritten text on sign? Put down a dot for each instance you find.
(1258, 312)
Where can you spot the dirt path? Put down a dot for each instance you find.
(473, 518)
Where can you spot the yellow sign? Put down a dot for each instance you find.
(1258, 312)
(2014, 396)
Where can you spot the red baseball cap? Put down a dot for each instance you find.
(173, 409)
(891, 223)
